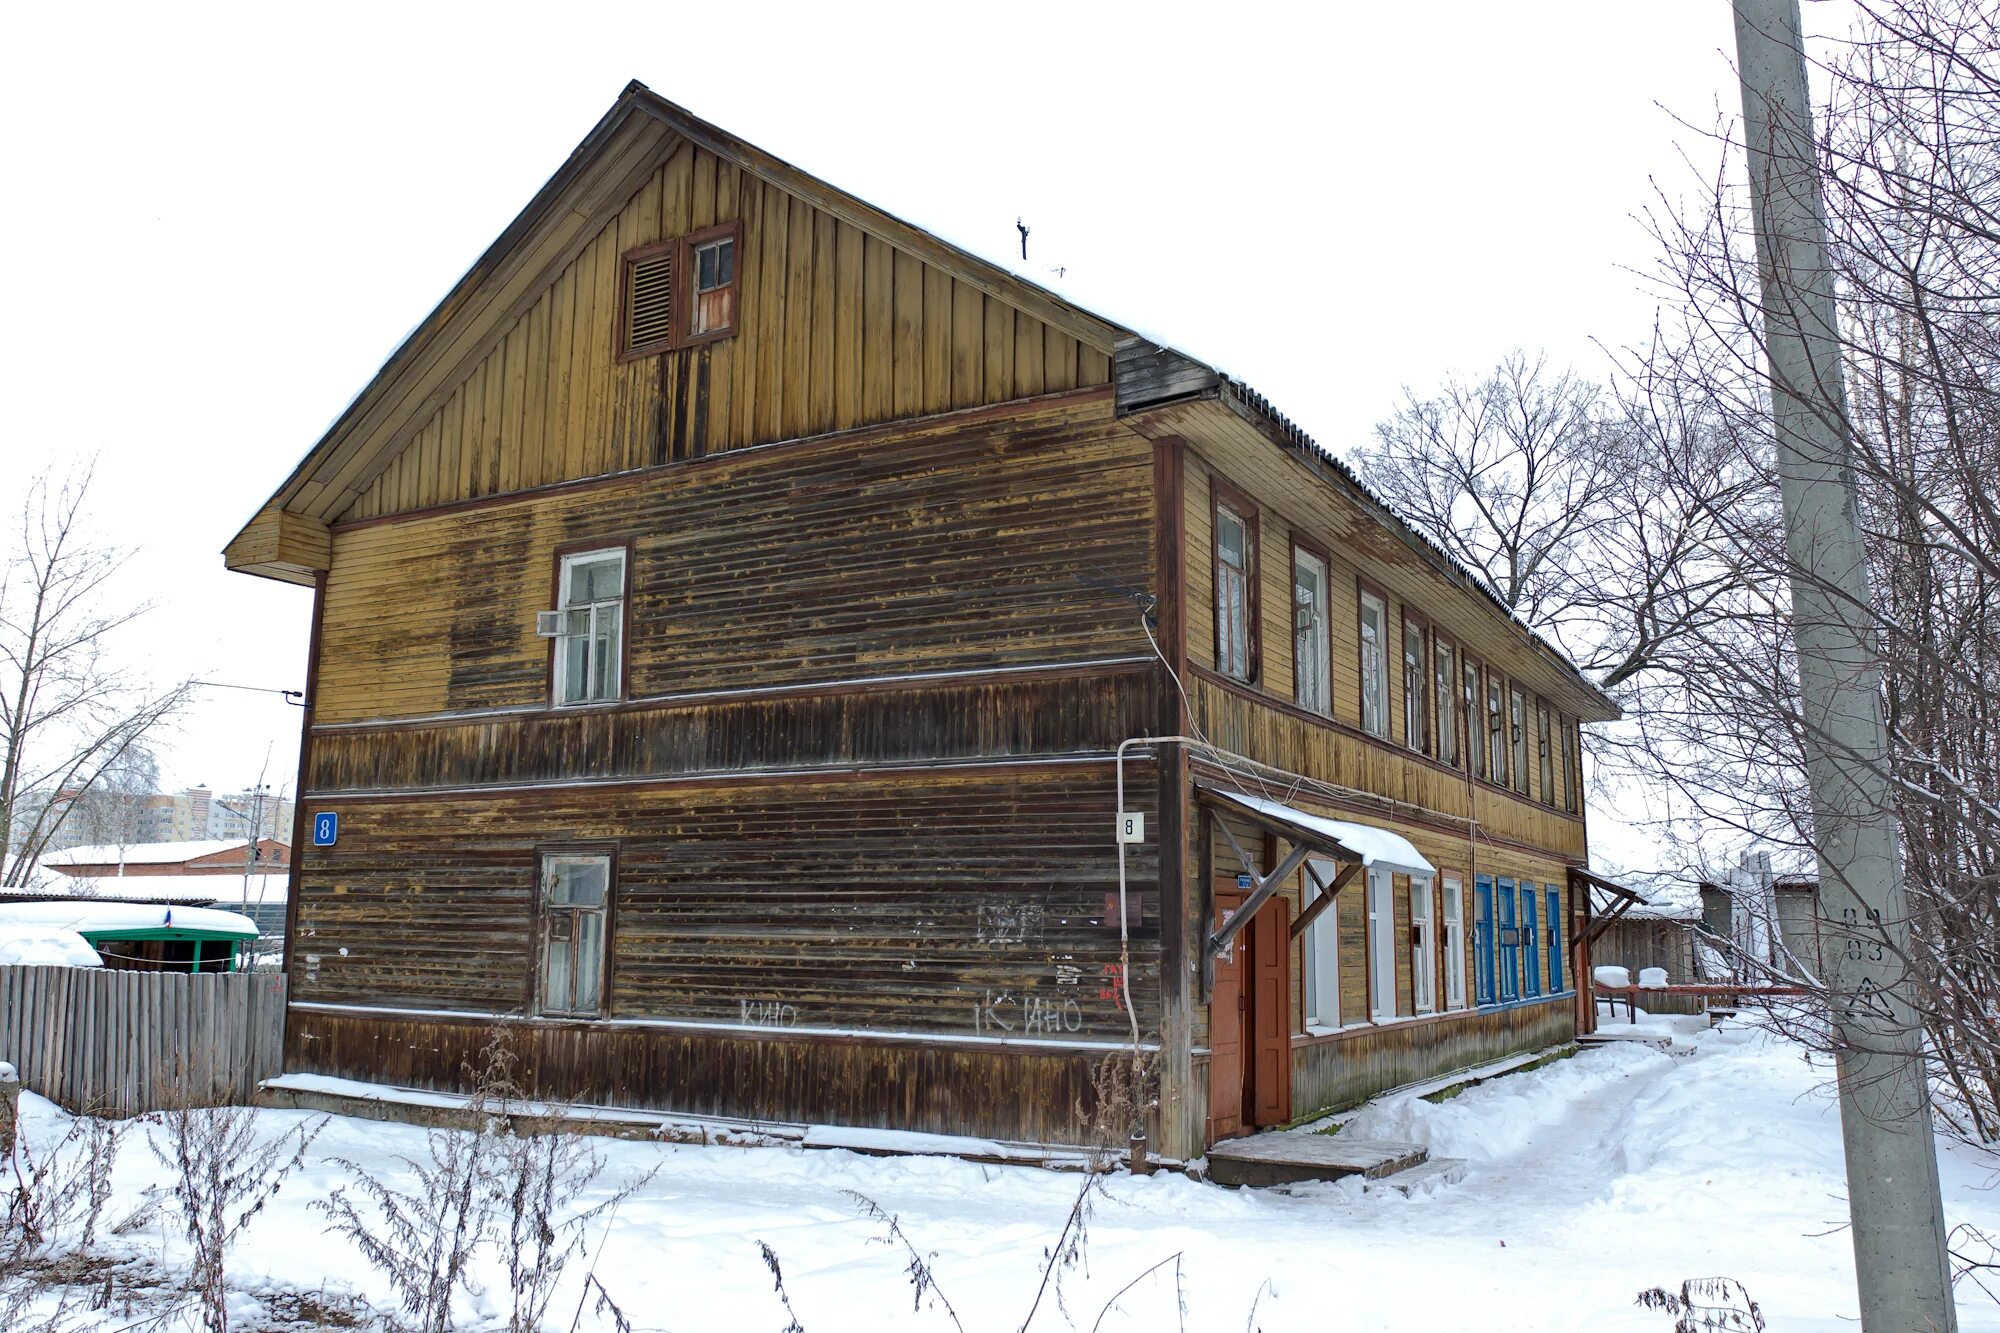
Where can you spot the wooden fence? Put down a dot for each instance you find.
(120, 1043)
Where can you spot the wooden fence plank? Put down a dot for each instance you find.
(113, 1042)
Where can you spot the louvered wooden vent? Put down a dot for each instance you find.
(649, 301)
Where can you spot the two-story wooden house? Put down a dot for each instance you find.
(736, 610)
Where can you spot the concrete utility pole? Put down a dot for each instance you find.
(1900, 1260)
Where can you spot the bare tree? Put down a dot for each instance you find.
(70, 713)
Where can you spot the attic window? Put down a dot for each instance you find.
(679, 293)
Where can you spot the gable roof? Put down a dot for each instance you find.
(288, 538)
(639, 132)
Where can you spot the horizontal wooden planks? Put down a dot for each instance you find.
(973, 902)
(1012, 1093)
(836, 329)
(961, 546)
(1002, 717)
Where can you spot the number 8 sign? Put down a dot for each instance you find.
(326, 828)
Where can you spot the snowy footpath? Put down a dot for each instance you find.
(1590, 1179)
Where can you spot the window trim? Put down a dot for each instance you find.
(1517, 732)
(1545, 752)
(694, 240)
(1452, 901)
(1475, 717)
(1303, 547)
(682, 248)
(1531, 940)
(1366, 592)
(1558, 972)
(1486, 942)
(1454, 684)
(1423, 953)
(1507, 972)
(1319, 957)
(563, 554)
(1221, 496)
(1497, 775)
(538, 971)
(1381, 890)
(1571, 739)
(1420, 698)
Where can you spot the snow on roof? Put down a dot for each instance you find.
(143, 853)
(1370, 845)
(89, 916)
(45, 946)
(223, 889)
(1669, 897)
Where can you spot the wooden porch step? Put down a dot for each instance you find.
(1290, 1156)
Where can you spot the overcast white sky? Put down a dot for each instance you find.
(221, 220)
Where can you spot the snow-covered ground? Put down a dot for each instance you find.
(1591, 1178)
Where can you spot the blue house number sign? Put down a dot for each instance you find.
(326, 828)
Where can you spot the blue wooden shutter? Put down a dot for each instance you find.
(1531, 956)
(1482, 939)
(1555, 938)
(1510, 954)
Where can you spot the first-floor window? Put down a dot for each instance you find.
(576, 887)
(1531, 956)
(1322, 954)
(1423, 949)
(1554, 939)
(1454, 944)
(1510, 945)
(1381, 944)
(1483, 942)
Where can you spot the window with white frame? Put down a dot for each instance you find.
(1496, 728)
(1309, 632)
(1475, 731)
(1454, 944)
(1233, 550)
(588, 627)
(1322, 953)
(1381, 944)
(1374, 665)
(1416, 688)
(1423, 947)
(575, 893)
(1444, 671)
(1518, 720)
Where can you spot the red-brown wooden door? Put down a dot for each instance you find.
(1228, 1027)
(1270, 972)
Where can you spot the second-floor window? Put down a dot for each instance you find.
(1416, 688)
(1496, 728)
(1234, 538)
(1475, 731)
(1444, 670)
(1545, 746)
(1374, 665)
(1309, 632)
(590, 615)
(1518, 731)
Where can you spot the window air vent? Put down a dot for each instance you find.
(649, 301)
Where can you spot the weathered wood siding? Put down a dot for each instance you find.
(1384, 764)
(1329, 1073)
(835, 329)
(1016, 1092)
(952, 547)
(973, 902)
(116, 1043)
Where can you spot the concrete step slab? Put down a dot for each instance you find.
(1289, 1157)
(1424, 1178)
